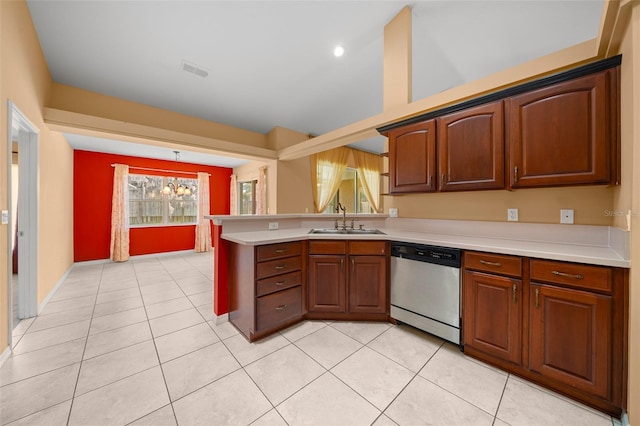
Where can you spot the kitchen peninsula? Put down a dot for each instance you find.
(520, 284)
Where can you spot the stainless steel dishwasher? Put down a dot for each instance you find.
(425, 288)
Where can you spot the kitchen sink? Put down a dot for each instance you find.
(355, 231)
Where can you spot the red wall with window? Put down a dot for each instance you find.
(92, 189)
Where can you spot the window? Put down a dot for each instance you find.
(350, 194)
(161, 200)
(247, 199)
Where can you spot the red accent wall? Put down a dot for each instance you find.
(92, 189)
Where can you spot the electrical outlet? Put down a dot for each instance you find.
(5, 217)
(393, 212)
(512, 215)
(273, 225)
(566, 216)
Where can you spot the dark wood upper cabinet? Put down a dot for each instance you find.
(412, 158)
(562, 134)
(471, 149)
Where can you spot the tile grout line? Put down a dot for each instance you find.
(84, 349)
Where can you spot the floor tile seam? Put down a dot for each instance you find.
(459, 397)
(298, 391)
(560, 397)
(42, 349)
(84, 350)
(504, 389)
(57, 299)
(28, 327)
(259, 389)
(173, 331)
(115, 328)
(359, 394)
(173, 401)
(117, 349)
(162, 301)
(395, 361)
(182, 355)
(36, 412)
(79, 395)
(282, 333)
(46, 346)
(342, 332)
(4, 385)
(94, 316)
(117, 300)
(56, 326)
(157, 409)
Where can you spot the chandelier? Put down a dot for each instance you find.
(176, 188)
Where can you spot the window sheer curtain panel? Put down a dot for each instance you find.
(119, 250)
(327, 169)
(203, 227)
(369, 167)
(261, 191)
(233, 195)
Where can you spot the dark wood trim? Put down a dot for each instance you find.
(591, 68)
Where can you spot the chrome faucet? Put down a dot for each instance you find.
(344, 215)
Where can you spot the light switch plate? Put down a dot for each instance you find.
(566, 216)
(273, 225)
(393, 212)
(512, 215)
(5, 217)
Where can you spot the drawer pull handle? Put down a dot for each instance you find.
(486, 262)
(281, 250)
(280, 267)
(514, 288)
(537, 295)
(279, 283)
(563, 274)
(515, 174)
(429, 181)
(281, 307)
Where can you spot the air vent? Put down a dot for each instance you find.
(194, 69)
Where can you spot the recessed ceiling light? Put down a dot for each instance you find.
(338, 51)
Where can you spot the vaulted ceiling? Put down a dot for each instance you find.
(271, 63)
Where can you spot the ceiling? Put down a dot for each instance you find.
(271, 63)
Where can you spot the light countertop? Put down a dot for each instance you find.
(596, 250)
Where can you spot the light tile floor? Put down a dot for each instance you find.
(134, 343)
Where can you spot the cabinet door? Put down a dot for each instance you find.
(571, 337)
(561, 135)
(327, 283)
(412, 158)
(368, 284)
(492, 315)
(471, 149)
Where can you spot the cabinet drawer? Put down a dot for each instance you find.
(277, 308)
(572, 274)
(276, 251)
(277, 283)
(327, 247)
(375, 248)
(277, 267)
(494, 263)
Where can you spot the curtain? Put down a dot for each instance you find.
(233, 195)
(203, 227)
(369, 166)
(327, 169)
(261, 191)
(119, 250)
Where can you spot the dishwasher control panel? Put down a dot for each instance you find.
(426, 253)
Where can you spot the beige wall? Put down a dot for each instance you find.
(534, 205)
(26, 82)
(628, 195)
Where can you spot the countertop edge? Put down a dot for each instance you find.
(594, 255)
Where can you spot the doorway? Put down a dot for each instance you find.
(23, 217)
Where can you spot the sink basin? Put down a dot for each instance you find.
(335, 231)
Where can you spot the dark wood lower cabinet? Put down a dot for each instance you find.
(327, 284)
(561, 325)
(368, 284)
(493, 315)
(570, 337)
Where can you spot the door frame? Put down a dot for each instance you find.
(27, 137)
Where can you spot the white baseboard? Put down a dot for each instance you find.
(5, 355)
(55, 289)
(220, 319)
